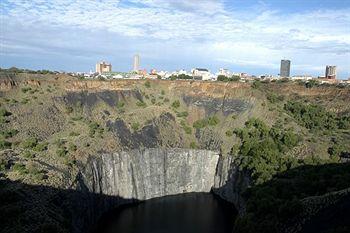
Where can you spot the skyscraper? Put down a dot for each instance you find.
(136, 65)
(285, 68)
(103, 66)
(331, 72)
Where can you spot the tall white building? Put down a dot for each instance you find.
(136, 64)
(331, 72)
(103, 66)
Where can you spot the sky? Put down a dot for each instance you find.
(249, 36)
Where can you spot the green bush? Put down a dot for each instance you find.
(8, 133)
(61, 152)
(74, 134)
(175, 104)
(135, 126)
(188, 130)
(193, 145)
(141, 104)
(4, 144)
(41, 146)
(120, 104)
(314, 117)
(147, 84)
(30, 143)
(26, 89)
(182, 114)
(262, 148)
(19, 168)
(72, 147)
(29, 155)
(256, 84)
(69, 109)
(4, 113)
(211, 121)
(229, 133)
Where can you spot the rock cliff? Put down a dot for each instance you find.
(150, 173)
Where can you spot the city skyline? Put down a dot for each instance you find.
(243, 36)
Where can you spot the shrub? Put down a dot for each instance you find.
(211, 121)
(200, 124)
(313, 117)
(193, 145)
(25, 89)
(19, 168)
(29, 155)
(69, 109)
(8, 133)
(182, 114)
(175, 104)
(74, 134)
(30, 143)
(162, 92)
(153, 100)
(135, 126)
(229, 133)
(120, 104)
(41, 146)
(61, 152)
(147, 84)
(256, 84)
(4, 144)
(4, 113)
(72, 147)
(141, 104)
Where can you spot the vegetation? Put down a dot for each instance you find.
(187, 129)
(272, 204)
(224, 78)
(94, 128)
(141, 104)
(256, 84)
(148, 84)
(175, 104)
(182, 114)
(210, 121)
(315, 117)
(135, 126)
(262, 148)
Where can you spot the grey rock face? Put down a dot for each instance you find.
(111, 180)
(230, 182)
(150, 173)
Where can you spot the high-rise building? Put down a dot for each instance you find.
(136, 65)
(102, 67)
(331, 72)
(285, 68)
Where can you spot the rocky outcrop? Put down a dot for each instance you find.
(150, 173)
(230, 182)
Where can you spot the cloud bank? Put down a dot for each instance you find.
(74, 34)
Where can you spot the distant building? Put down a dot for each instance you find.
(136, 64)
(285, 68)
(200, 73)
(331, 72)
(224, 72)
(103, 67)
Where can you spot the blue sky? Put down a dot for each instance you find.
(242, 35)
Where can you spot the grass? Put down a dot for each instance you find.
(135, 126)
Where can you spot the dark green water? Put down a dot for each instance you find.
(185, 213)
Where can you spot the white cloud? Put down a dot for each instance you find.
(204, 27)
